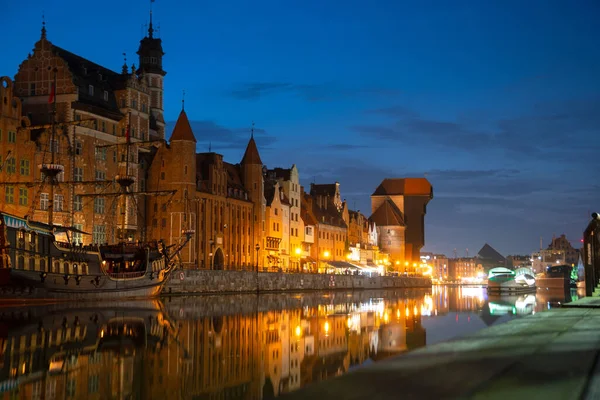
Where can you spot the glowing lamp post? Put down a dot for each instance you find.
(257, 247)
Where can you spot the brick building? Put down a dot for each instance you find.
(398, 209)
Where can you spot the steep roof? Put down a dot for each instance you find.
(387, 214)
(324, 189)
(487, 252)
(328, 215)
(87, 73)
(403, 186)
(183, 130)
(251, 156)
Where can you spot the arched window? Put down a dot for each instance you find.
(57, 267)
(75, 269)
(43, 265)
(21, 262)
(31, 264)
(83, 269)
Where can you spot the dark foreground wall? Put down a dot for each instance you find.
(192, 281)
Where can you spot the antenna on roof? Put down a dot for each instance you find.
(43, 25)
(252, 131)
(183, 100)
(124, 68)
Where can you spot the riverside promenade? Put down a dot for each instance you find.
(550, 355)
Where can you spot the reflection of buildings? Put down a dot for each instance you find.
(91, 355)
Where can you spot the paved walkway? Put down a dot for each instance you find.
(549, 355)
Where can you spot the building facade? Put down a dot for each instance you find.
(289, 182)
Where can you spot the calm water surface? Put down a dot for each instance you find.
(232, 347)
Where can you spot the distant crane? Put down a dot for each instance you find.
(467, 253)
(455, 256)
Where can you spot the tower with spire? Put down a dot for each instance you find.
(252, 174)
(150, 68)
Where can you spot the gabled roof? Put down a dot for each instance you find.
(269, 191)
(403, 186)
(487, 252)
(251, 156)
(183, 130)
(387, 214)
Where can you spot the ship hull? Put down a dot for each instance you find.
(509, 286)
(553, 283)
(86, 287)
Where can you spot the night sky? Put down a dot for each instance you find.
(497, 103)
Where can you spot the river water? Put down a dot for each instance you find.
(231, 347)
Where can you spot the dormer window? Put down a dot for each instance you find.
(91, 90)
(99, 76)
(105, 95)
(84, 70)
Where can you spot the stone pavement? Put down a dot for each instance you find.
(549, 355)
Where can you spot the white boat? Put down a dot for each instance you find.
(504, 280)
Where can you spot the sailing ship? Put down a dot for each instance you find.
(46, 259)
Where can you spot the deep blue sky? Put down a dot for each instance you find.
(497, 102)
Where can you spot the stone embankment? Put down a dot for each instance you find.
(215, 305)
(211, 282)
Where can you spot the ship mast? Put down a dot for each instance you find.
(126, 180)
(51, 170)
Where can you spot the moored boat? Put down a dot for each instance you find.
(507, 281)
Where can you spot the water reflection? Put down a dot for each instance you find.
(231, 347)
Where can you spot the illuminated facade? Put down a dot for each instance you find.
(289, 181)
(329, 214)
(275, 227)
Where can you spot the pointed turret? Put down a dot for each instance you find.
(183, 130)
(251, 156)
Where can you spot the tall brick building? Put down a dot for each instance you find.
(398, 209)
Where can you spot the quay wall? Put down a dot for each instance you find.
(216, 305)
(211, 282)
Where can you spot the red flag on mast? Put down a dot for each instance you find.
(52, 93)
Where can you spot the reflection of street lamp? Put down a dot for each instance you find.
(257, 247)
(298, 252)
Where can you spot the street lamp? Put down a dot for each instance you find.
(257, 247)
